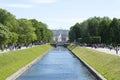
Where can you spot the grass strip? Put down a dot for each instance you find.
(106, 64)
(10, 62)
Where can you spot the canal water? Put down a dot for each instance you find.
(58, 64)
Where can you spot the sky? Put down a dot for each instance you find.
(61, 14)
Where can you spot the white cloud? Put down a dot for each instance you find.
(26, 5)
(18, 5)
(43, 1)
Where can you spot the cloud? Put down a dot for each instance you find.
(26, 4)
(18, 5)
(43, 1)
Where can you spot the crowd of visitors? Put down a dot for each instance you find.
(116, 48)
(18, 46)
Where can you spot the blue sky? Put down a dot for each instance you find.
(61, 14)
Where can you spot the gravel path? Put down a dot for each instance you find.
(11, 50)
(106, 50)
(8, 50)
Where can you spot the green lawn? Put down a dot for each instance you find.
(106, 64)
(12, 61)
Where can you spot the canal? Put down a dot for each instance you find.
(58, 64)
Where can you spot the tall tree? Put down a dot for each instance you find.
(72, 36)
(26, 31)
(49, 35)
(104, 30)
(84, 29)
(42, 33)
(77, 31)
(4, 35)
(115, 31)
(9, 20)
(93, 26)
(37, 26)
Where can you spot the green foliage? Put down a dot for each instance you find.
(95, 39)
(84, 29)
(26, 31)
(8, 19)
(93, 26)
(104, 31)
(75, 32)
(4, 34)
(72, 36)
(108, 31)
(115, 31)
(41, 31)
(13, 38)
(38, 28)
(90, 40)
(106, 64)
(80, 40)
(12, 61)
(22, 31)
(49, 35)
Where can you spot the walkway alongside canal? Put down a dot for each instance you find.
(58, 64)
(105, 50)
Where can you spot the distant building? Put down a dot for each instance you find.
(60, 35)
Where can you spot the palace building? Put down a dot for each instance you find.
(60, 35)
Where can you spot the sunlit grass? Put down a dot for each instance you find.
(106, 64)
(12, 61)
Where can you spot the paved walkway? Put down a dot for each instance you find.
(106, 50)
(8, 50)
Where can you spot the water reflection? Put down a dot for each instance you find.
(58, 64)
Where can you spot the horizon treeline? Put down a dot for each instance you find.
(22, 31)
(96, 30)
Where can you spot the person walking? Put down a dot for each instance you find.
(116, 49)
(110, 47)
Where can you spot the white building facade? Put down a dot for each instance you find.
(61, 35)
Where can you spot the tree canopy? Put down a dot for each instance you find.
(22, 31)
(104, 30)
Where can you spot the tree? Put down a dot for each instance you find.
(26, 31)
(84, 29)
(77, 31)
(92, 30)
(104, 30)
(72, 36)
(93, 26)
(9, 20)
(4, 36)
(37, 27)
(114, 31)
(41, 31)
(49, 35)
(21, 31)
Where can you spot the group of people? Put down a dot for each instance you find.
(18, 46)
(115, 48)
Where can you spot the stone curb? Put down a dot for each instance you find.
(92, 70)
(25, 68)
